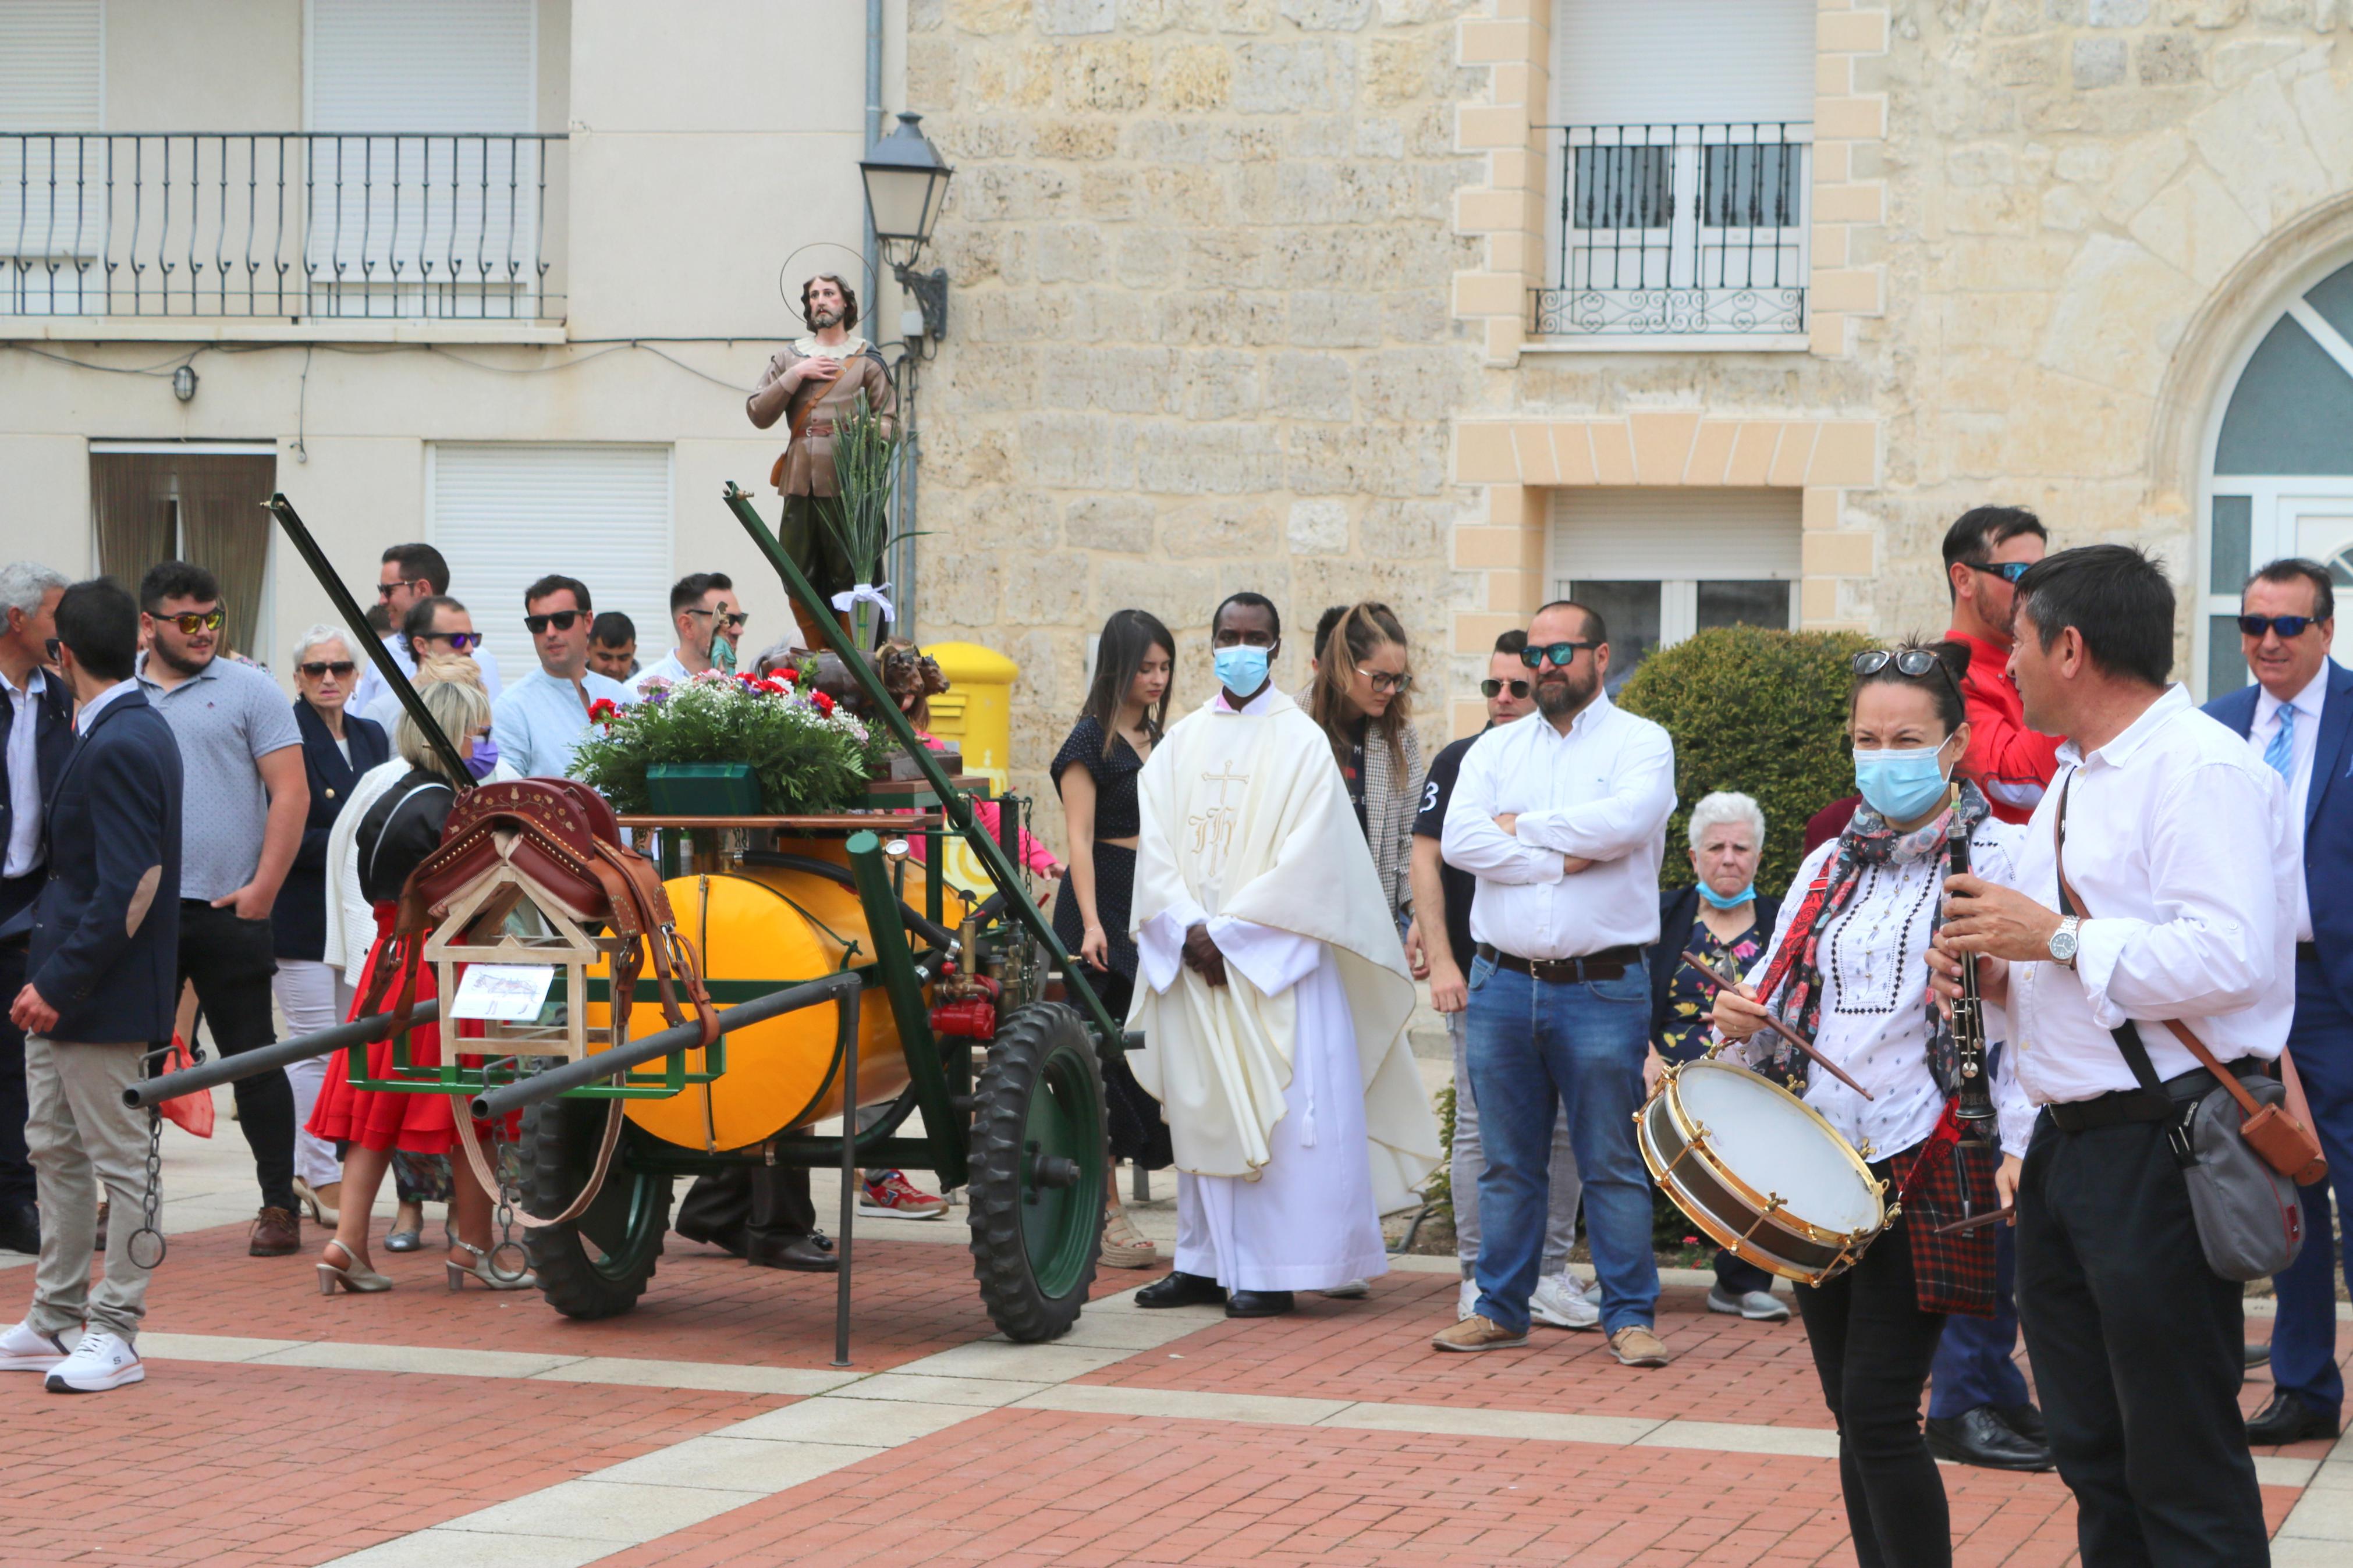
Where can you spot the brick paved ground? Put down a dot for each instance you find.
(223, 1460)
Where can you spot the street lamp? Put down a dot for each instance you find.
(906, 183)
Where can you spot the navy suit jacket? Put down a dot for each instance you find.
(53, 740)
(106, 929)
(298, 921)
(2327, 808)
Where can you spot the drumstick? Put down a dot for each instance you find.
(1973, 1222)
(1708, 977)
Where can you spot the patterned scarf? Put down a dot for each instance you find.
(1792, 986)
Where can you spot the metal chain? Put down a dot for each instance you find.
(503, 1212)
(150, 1208)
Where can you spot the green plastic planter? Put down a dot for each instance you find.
(704, 789)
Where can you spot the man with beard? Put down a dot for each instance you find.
(245, 799)
(1561, 818)
(813, 382)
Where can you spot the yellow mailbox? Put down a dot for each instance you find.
(975, 713)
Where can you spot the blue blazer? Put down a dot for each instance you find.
(298, 921)
(106, 929)
(2327, 820)
(53, 740)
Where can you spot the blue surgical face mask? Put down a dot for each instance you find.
(485, 758)
(1734, 902)
(1900, 784)
(1241, 669)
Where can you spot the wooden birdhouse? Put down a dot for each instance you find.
(525, 963)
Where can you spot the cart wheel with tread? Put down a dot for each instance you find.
(600, 1264)
(1039, 1165)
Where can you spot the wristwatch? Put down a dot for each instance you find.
(2063, 940)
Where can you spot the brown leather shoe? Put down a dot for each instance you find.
(1476, 1333)
(276, 1233)
(1635, 1346)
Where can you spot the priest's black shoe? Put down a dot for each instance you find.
(2026, 1421)
(1979, 1437)
(2288, 1419)
(803, 1254)
(1258, 1303)
(1182, 1289)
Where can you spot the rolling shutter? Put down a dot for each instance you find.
(422, 66)
(507, 515)
(50, 76)
(1653, 62)
(1675, 532)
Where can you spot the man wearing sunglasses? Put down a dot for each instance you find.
(1562, 819)
(1442, 907)
(709, 617)
(1986, 550)
(410, 573)
(436, 625)
(246, 803)
(2297, 717)
(539, 721)
(36, 735)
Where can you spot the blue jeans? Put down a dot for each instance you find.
(1974, 1362)
(1533, 1046)
(2304, 1335)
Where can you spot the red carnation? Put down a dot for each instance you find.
(601, 711)
(823, 703)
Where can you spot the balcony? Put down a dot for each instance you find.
(1690, 232)
(291, 227)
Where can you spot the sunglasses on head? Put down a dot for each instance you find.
(1562, 654)
(341, 668)
(192, 623)
(1495, 687)
(459, 642)
(387, 590)
(1913, 663)
(2008, 571)
(2287, 625)
(561, 620)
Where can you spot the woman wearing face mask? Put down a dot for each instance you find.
(1725, 919)
(1126, 709)
(1847, 970)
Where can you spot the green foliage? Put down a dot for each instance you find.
(865, 470)
(1438, 1191)
(1763, 712)
(810, 758)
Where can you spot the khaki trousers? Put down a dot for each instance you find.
(81, 1138)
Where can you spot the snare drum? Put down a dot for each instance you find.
(1759, 1171)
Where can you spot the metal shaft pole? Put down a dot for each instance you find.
(846, 1024)
(268, 1058)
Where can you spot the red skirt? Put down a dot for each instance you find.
(416, 1123)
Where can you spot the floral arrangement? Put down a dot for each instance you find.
(808, 755)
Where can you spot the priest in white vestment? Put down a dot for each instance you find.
(1276, 1045)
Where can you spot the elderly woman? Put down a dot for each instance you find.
(337, 749)
(399, 813)
(1724, 919)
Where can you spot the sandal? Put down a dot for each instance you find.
(481, 1269)
(359, 1279)
(1124, 1246)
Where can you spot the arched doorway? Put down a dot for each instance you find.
(2281, 478)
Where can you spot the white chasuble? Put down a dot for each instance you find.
(1293, 1106)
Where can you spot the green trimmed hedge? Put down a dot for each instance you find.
(1763, 712)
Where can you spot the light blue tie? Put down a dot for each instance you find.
(2280, 753)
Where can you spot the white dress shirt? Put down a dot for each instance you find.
(2176, 842)
(23, 850)
(1603, 793)
(2302, 742)
(90, 711)
(1875, 1013)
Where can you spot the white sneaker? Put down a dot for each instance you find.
(1353, 1291)
(99, 1363)
(1466, 1300)
(25, 1349)
(1556, 1300)
(1756, 1306)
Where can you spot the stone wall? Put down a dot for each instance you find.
(1201, 338)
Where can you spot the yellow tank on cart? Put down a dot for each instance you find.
(777, 925)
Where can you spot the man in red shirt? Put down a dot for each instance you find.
(1986, 552)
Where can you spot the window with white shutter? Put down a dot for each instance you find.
(1659, 564)
(52, 80)
(425, 188)
(507, 515)
(1681, 134)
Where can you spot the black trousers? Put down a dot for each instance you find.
(15, 1167)
(1872, 1346)
(230, 961)
(728, 1208)
(2136, 1347)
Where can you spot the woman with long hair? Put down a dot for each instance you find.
(1126, 709)
(398, 824)
(1848, 969)
(1360, 695)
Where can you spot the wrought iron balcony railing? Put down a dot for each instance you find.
(1688, 230)
(294, 225)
